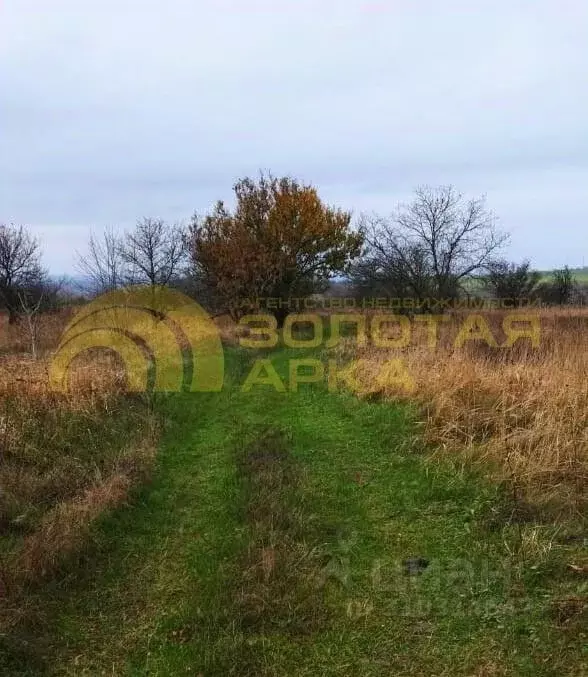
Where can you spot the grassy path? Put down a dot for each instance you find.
(273, 541)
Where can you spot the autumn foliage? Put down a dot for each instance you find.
(280, 241)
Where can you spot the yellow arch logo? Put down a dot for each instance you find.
(167, 341)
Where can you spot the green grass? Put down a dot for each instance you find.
(272, 540)
(580, 275)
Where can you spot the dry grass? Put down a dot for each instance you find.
(522, 411)
(16, 339)
(229, 332)
(65, 458)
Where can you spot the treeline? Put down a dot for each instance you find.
(280, 240)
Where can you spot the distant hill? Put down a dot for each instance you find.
(71, 284)
(580, 274)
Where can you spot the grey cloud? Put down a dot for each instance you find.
(115, 110)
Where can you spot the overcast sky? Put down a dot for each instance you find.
(115, 109)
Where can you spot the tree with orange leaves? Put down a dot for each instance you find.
(280, 241)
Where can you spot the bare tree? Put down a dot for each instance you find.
(31, 310)
(383, 273)
(20, 265)
(435, 242)
(103, 265)
(388, 267)
(35, 300)
(154, 253)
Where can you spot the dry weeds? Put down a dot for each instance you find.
(521, 411)
(65, 458)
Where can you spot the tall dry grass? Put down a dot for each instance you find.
(65, 458)
(16, 338)
(521, 412)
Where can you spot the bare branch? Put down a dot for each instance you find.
(103, 266)
(20, 265)
(154, 252)
(431, 244)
